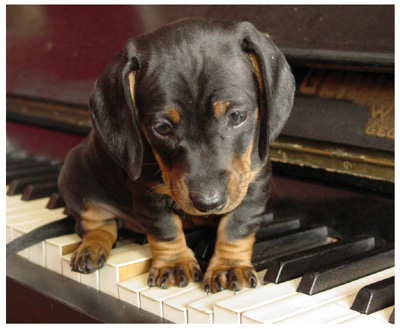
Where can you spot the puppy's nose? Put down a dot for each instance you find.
(208, 201)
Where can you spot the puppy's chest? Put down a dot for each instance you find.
(190, 221)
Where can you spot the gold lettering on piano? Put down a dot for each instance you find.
(347, 165)
(374, 90)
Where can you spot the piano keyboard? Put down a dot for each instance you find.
(304, 275)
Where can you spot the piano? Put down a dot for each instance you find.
(325, 250)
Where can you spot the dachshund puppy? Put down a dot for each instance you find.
(182, 122)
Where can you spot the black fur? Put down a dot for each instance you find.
(188, 66)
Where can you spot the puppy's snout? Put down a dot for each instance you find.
(208, 192)
(210, 200)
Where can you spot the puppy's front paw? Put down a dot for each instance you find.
(88, 258)
(220, 276)
(165, 274)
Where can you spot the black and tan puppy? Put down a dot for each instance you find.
(183, 118)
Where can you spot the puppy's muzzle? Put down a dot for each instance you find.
(207, 195)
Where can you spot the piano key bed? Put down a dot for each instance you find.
(304, 275)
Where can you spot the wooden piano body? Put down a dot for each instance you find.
(333, 164)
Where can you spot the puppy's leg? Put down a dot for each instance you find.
(99, 233)
(230, 266)
(173, 262)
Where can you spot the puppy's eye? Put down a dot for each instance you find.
(236, 118)
(163, 129)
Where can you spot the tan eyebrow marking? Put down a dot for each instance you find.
(220, 108)
(173, 115)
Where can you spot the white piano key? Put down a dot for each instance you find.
(90, 280)
(152, 299)
(12, 200)
(384, 314)
(66, 269)
(15, 202)
(124, 266)
(31, 209)
(353, 286)
(58, 247)
(202, 310)
(93, 279)
(175, 308)
(346, 301)
(326, 314)
(367, 320)
(35, 253)
(129, 290)
(230, 310)
(300, 303)
(282, 309)
(26, 215)
(15, 222)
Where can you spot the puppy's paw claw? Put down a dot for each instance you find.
(222, 277)
(178, 274)
(88, 259)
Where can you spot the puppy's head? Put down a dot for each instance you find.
(208, 97)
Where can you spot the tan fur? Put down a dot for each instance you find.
(257, 70)
(132, 82)
(231, 259)
(99, 235)
(173, 115)
(220, 108)
(172, 254)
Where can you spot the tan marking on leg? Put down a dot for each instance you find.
(173, 262)
(236, 251)
(230, 266)
(94, 217)
(99, 233)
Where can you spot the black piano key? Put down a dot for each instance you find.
(290, 242)
(205, 248)
(17, 186)
(21, 164)
(12, 156)
(56, 201)
(193, 236)
(20, 173)
(141, 239)
(375, 297)
(276, 227)
(267, 218)
(295, 265)
(391, 319)
(347, 270)
(40, 190)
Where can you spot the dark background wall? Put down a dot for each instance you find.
(56, 52)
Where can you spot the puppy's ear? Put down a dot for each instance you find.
(114, 114)
(275, 82)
